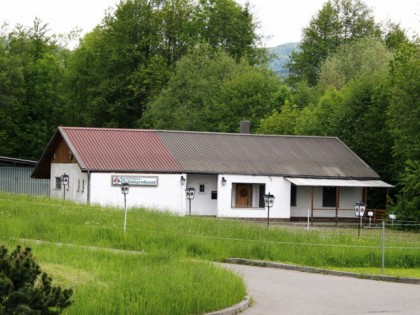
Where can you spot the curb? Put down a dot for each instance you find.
(236, 309)
(261, 263)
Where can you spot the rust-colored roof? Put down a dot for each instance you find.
(122, 150)
(136, 150)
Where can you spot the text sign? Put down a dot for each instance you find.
(135, 180)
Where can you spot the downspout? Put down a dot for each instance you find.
(337, 203)
(312, 205)
(88, 188)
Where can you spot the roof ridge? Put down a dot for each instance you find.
(196, 132)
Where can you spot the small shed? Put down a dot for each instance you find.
(15, 177)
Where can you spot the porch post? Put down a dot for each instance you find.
(365, 194)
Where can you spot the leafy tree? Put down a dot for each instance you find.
(404, 126)
(359, 58)
(31, 103)
(338, 22)
(321, 120)
(211, 92)
(395, 36)
(282, 122)
(126, 61)
(227, 25)
(24, 289)
(404, 109)
(408, 205)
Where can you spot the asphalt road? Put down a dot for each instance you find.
(278, 291)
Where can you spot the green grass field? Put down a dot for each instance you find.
(162, 264)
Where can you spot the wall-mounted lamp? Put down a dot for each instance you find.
(182, 180)
(224, 181)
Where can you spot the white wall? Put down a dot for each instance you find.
(348, 197)
(74, 191)
(202, 204)
(277, 186)
(168, 195)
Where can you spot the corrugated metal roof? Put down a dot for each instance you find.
(135, 150)
(217, 153)
(121, 150)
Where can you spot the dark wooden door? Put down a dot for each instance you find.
(243, 196)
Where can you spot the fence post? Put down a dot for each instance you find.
(383, 247)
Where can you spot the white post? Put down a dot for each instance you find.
(383, 247)
(125, 211)
(309, 216)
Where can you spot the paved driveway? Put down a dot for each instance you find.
(277, 291)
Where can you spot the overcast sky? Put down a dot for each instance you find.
(282, 20)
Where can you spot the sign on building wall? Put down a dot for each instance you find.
(135, 180)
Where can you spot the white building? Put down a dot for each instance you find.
(229, 172)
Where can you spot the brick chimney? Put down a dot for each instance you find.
(245, 126)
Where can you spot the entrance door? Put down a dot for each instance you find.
(243, 196)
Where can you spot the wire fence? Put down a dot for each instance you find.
(390, 235)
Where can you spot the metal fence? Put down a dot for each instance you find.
(18, 180)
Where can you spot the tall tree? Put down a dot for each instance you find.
(124, 64)
(31, 103)
(404, 125)
(359, 58)
(338, 22)
(210, 91)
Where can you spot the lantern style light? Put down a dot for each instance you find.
(189, 193)
(183, 180)
(65, 180)
(125, 188)
(359, 211)
(268, 201)
(224, 181)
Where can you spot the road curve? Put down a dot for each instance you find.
(278, 291)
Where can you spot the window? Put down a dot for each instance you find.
(329, 196)
(293, 193)
(58, 182)
(78, 185)
(202, 188)
(83, 185)
(261, 202)
(214, 195)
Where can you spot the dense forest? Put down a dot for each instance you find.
(199, 65)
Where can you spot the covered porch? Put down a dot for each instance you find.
(332, 200)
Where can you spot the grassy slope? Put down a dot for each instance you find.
(171, 275)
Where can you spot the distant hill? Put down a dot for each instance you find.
(281, 55)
